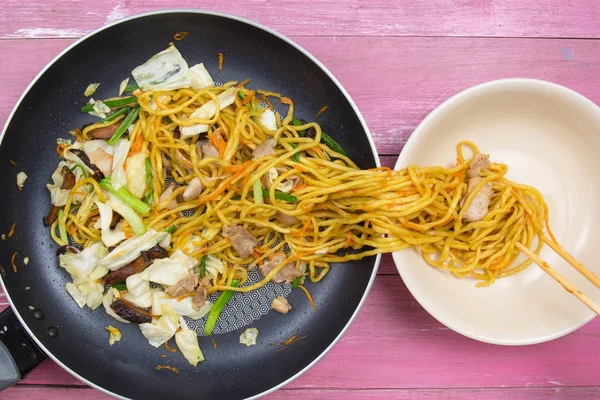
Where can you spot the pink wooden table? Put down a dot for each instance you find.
(398, 60)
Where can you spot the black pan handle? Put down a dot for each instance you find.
(18, 353)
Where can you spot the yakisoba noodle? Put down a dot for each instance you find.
(339, 206)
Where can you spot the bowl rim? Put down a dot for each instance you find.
(419, 133)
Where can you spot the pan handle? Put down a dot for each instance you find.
(18, 353)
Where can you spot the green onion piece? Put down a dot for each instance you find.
(258, 192)
(217, 308)
(82, 168)
(61, 227)
(281, 196)
(296, 282)
(125, 196)
(149, 192)
(171, 229)
(120, 286)
(296, 156)
(242, 95)
(132, 116)
(332, 144)
(112, 103)
(114, 115)
(131, 87)
(297, 122)
(202, 267)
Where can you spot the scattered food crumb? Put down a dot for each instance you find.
(12, 162)
(3, 236)
(214, 342)
(123, 85)
(180, 35)
(281, 305)
(12, 229)
(31, 308)
(91, 89)
(174, 369)
(27, 287)
(322, 110)
(164, 355)
(171, 349)
(115, 334)
(26, 260)
(12, 261)
(21, 178)
(249, 337)
(221, 57)
(291, 340)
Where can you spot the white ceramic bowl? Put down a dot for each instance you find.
(549, 136)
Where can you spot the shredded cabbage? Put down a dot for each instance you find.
(200, 77)
(187, 341)
(109, 237)
(161, 330)
(130, 249)
(166, 70)
(214, 266)
(207, 111)
(118, 177)
(135, 170)
(268, 119)
(80, 265)
(180, 306)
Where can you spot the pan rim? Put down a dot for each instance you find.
(280, 37)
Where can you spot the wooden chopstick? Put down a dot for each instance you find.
(571, 260)
(558, 277)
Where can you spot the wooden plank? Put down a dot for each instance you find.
(22, 392)
(394, 343)
(512, 18)
(395, 82)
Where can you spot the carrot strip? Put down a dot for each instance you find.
(310, 299)
(266, 100)
(136, 147)
(12, 261)
(248, 97)
(243, 83)
(322, 110)
(12, 230)
(171, 349)
(221, 58)
(304, 227)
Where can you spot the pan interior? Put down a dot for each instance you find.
(51, 108)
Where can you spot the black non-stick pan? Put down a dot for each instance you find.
(76, 338)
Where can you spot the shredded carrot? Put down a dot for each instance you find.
(550, 231)
(319, 152)
(266, 100)
(216, 140)
(299, 187)
(322, 110)
(310, 299)
(247, 168)
(233, 168)
(12, 229)
(12, 261)
(60, 148)
(136, 147)
(248, 97)
(128, 235)
(180, 35)
(286, 100)
(171, 349)
(174, 369)
(349, 240)
(243, 83)
(221, 58)
(12, 162)
(164, 355)
(255, 255)
(184, 296)
(304, 227)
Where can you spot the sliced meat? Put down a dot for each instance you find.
(183, 160)
(155, 252)
(135, 267)
(105, 132)
(208, 150)
(102, 160)
(130, 313)
(69, 179)
(281, 305)
(288, 273)
(193, 190)
(52, 215)
(98, 175)
(199, 298)
(266, 148)
(164, 196)
(479, 207)
(286, 219)
(479, 162)
(184, 286)
(241, 240)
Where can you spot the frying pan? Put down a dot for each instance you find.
(76, 338)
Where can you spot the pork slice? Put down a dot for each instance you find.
(184, 286)
(266, 148)
(287, 274)
(480, 162)
(241, 240)
(479, 207)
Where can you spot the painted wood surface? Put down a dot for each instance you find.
(399, 60)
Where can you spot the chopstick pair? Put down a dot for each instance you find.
(560, 278)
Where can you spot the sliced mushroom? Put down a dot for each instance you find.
(98, 175)
(69, 179)
(130, 313)
(104, 132)
(52, 215)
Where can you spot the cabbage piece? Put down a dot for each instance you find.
(135, 171)
(167, 271)
(214, 266)
(166, 70)
(180, 306)
(200, 77)
(138, 291)
(161, 330)
(76, 294)
(130, 249)
(59, 197)
(207, 111)
(92, 145)
(99, 109)
(192, 244)
(118, 177)
(111, 295)
(85, 209)
(126, 212)
(249, 337)
(109, 237)
(91, 89)
(268, 119)
(92, 291)
(81, 265)
(187, 341)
